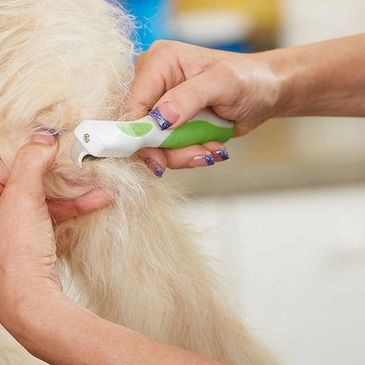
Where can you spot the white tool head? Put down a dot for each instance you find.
(114, 139)
(78, 153)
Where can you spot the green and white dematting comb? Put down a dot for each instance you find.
(99, 138)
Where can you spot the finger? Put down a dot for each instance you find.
(87, 203)
(187, 99)
(147, 88)
(133, 110)
(138, 65)
(196, 156)
(155, 159)
(218, 150)
(4, 175)
(157, 72)
(31, 162)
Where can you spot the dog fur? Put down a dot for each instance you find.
(134, 263)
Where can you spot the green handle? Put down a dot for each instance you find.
(197, 132)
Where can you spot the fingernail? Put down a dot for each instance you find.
(52, 131)
(165, 115)
(155, 168)
(202, 161)
(221, 155)
(45, 136)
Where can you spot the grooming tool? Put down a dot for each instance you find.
(122, 139)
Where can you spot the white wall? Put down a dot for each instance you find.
(308, 21)
(297, 262)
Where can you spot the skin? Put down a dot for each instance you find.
(324, 79)
(63, 210)
(306, 80)
(33, 307)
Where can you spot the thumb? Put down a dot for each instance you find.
(3, 176)
(186, 100)
(31, 162)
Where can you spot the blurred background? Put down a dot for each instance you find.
(285, 216)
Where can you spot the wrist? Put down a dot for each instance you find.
(51, 322)
(316, 82)
(24, 290)
(265, 84)
(27, 313)
(285, 72)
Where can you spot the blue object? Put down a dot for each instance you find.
(243, 47)
(152, 19)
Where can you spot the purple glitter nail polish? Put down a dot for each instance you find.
(202, 161)
(52, 131)
(155, 168)
(162, 122)
(222, 155)
(209, 160)
(158, 171)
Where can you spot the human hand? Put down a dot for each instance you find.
(27, 241)
(178, 80)
(32, 307)
(3, 176)
(62, 210)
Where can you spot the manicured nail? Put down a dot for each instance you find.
(202, 161)
(52, 131)
(155, 168)
(165, 115)
(45, 136)
(221, 155)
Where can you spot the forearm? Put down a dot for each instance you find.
(67, 334)
(323, 79)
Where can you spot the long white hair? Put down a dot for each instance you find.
(135, 262)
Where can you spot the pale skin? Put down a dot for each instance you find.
(321, 79)
(324, 79)
(63, 210)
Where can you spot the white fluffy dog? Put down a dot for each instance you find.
(134, 263)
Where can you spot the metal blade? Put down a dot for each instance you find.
(78, 153)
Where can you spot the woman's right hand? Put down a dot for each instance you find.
(179, 80)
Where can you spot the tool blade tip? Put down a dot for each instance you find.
(78, 153)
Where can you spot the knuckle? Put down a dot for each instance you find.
(140, 60)
(175, 165)
(162, 46)
(172, 161)
(157, 46)
(141, 56)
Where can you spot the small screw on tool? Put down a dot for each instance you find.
(86, 138)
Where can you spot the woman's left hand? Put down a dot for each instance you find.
(62, 210)
(27, 242)
(32, 307)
